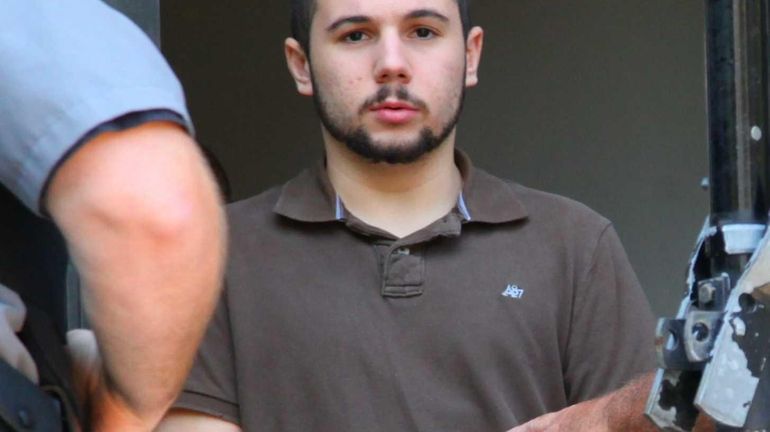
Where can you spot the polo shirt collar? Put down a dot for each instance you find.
(488, 199)
(310, 197)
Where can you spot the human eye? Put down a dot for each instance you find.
(424, 33)
(355, 36)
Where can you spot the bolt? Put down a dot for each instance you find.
(706, 293)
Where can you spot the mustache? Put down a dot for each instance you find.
(401, 94)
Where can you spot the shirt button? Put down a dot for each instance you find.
(402, 251)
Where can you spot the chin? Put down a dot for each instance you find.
(393, 153)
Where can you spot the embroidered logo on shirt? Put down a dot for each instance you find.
(513, 291)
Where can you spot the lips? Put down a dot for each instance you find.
(394, 112)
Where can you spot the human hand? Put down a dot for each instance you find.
(12, 314)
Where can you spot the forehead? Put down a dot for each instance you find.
(328, 11)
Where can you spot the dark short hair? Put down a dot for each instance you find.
(302, 12)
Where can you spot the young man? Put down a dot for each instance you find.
(395, 287)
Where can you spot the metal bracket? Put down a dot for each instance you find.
(741, 349)
(700, 331)
(742, 238)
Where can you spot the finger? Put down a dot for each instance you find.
(82, 347)
(12, 309)
(84, 355)
(81, 338)
(26, 365)
(13, 352)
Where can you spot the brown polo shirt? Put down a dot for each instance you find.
(515, 304)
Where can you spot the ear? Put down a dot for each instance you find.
(473, 55)
(299, 66)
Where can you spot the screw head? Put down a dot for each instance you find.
(705, 183)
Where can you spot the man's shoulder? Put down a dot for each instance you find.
(569, 230)
(549, 209)
(542, 203)
(254, 207)
(546, 218)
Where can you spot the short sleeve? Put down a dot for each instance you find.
(67, 67)
(612, 327)
(211, 386)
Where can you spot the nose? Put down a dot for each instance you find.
(392, 64)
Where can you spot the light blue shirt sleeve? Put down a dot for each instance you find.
(67, 67)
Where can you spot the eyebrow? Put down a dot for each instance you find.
(355, 19)
(426, 13)
(360, 19)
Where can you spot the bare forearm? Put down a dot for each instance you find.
(143, 223)
(624, 408)
(619, 411)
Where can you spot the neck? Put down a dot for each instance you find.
(400, 198)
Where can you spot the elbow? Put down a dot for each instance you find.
(168, 215)
(148, 183)
(160, 216)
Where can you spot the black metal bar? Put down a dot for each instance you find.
(721, 103)
(737, 89)
(736, 43)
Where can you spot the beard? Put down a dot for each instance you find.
(360, 141)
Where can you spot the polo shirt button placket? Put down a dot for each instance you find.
(403, 273)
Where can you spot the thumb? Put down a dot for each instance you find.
(81, 345)
(86, 362)
(13, 352)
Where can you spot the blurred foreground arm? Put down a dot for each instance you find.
(142, 218)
